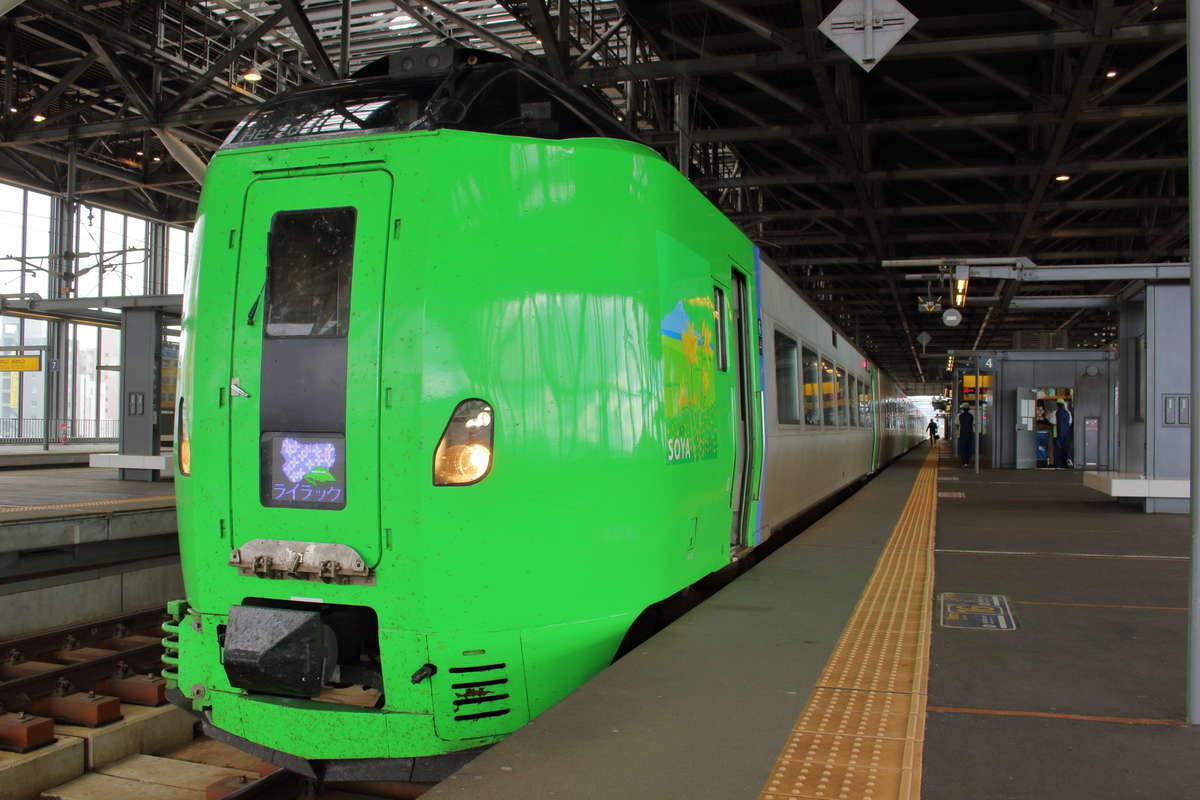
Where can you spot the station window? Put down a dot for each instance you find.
(310, 255)
(786, 379)
(843, 397)
(812, 388)
(829, 392)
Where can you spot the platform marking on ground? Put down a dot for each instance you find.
(997, 712)
(952, 495)
(1033, 554)
(164, 498)
(1097, 605)
(989, 612)
(862, 732)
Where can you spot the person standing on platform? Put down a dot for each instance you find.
(932, 428)
(966, 435)
(1062, 436)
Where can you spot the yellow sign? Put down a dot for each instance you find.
(20, 363)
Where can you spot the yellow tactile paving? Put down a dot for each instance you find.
(861, 733)
(165, 499)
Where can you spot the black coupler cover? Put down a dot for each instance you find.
(275, 650)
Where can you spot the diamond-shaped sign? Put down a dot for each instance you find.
(867, 29)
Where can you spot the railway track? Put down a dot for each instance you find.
(82, 674)
(78, 675)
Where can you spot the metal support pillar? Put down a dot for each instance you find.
(683, 124)
(156, 258)
(1193, 73)
(141, 370)
(345, 40)
(61, 242)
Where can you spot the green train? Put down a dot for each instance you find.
(469, 381)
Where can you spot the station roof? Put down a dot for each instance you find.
(1049, 130)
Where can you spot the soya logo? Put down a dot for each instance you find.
(308, 461)
(689, 407)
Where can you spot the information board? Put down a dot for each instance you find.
(20, 363)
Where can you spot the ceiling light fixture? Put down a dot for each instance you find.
(252, 75)
(39, 117)
(1112, 73)
(1062, 178)
(960, 292)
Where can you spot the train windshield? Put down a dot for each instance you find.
(490, 98)
(331, 112)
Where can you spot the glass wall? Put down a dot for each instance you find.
(113, 261)
(24, 264)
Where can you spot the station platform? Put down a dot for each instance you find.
(78, 541)
(825, 671)
(30, 494)
(24, 456)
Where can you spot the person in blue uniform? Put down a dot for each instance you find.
(1062, 437)
(966, 435)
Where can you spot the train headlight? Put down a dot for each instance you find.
(184, 445)
(464, 453)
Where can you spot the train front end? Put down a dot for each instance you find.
(406, 387)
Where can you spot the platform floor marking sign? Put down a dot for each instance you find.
(952, 495)
(989, 612)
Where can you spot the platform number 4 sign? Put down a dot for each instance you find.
(866, 30)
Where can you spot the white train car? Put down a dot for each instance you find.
(830, 416)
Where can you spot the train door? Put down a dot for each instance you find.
(743, 434)
(1025, 442)
(304, 380)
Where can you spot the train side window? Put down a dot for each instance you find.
(864, 403)
(309, 258)
(812, 388)
(852, 399)
(786, 379)
(829, 392)
(843, 397)
(719, 320)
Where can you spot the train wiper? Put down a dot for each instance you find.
(254, 308)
